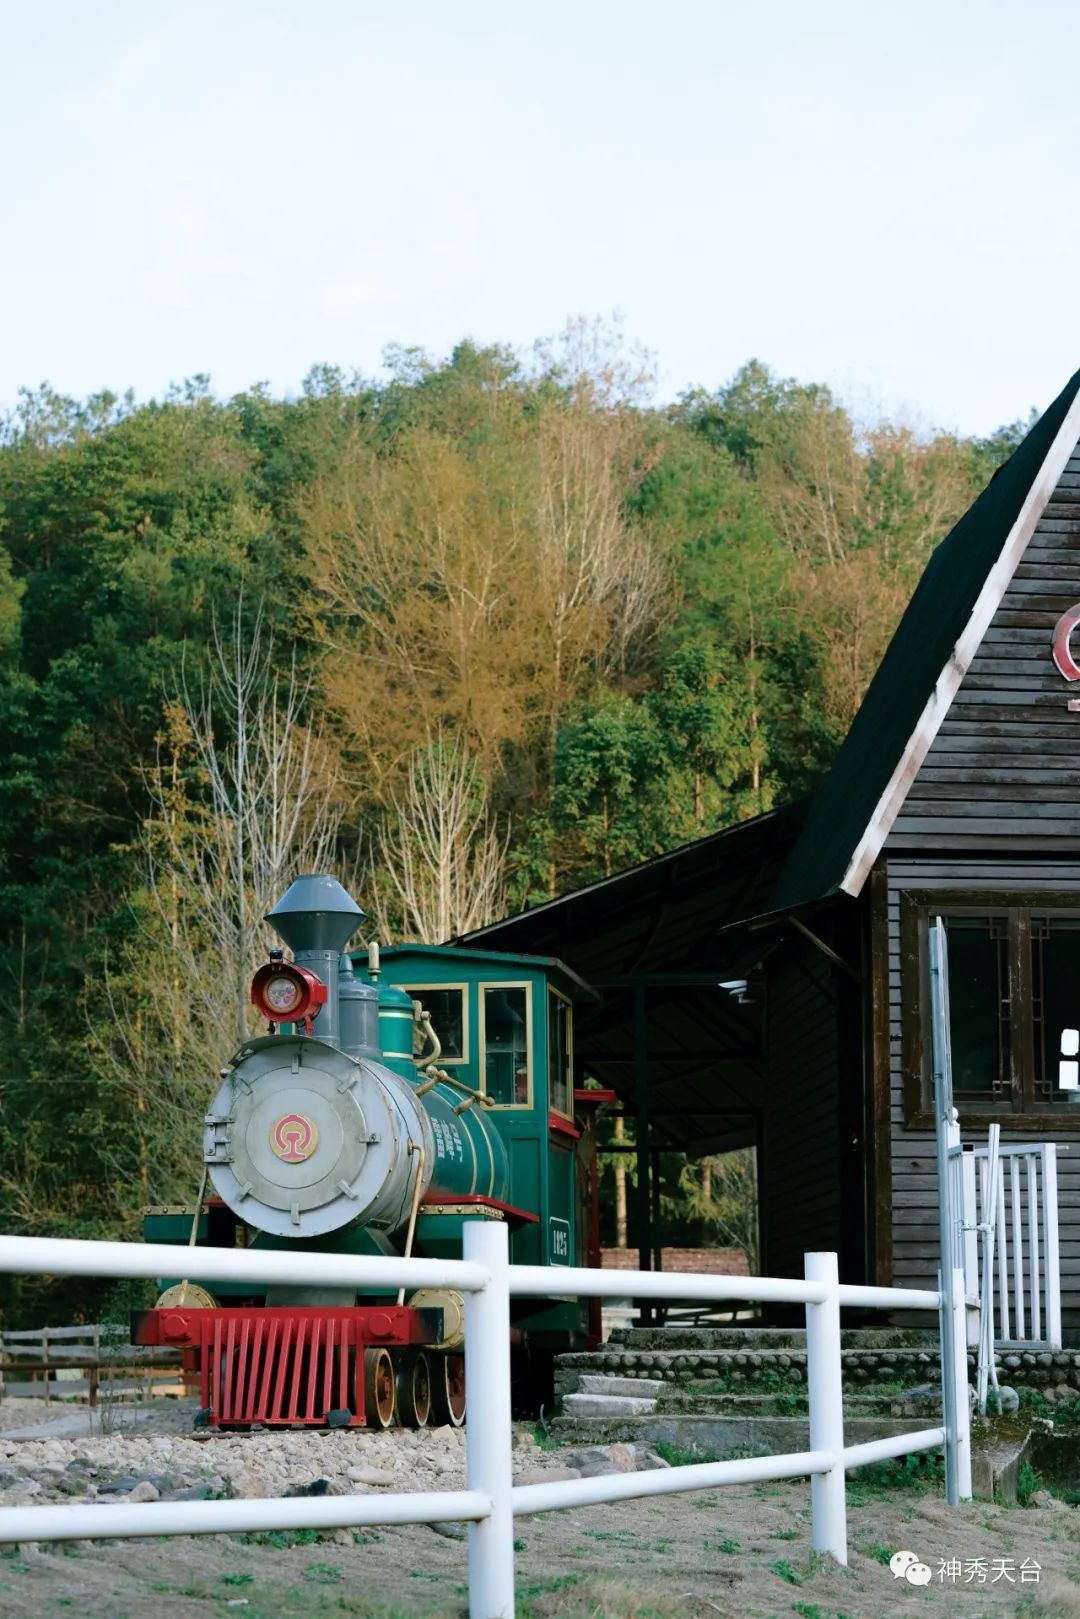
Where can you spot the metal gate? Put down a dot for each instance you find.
(1022, 1210)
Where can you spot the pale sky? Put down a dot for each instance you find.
(882, 197)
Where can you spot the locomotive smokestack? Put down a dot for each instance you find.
(316, 918)
(316, 913)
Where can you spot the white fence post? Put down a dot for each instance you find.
(1050, 1246)
(825, 1389)
(488, 1436)
(954, 1394)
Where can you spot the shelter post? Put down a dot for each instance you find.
(643, 1137)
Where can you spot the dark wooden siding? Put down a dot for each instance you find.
(801, 1210)
(913, 1172)
(1001, 781)
(1005, 764)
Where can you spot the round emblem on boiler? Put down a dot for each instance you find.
(294, 1137)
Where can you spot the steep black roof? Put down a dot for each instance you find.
(886, 726)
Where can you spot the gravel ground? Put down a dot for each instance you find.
(742, 1551)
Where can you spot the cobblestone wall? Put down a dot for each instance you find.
(1055, 1376)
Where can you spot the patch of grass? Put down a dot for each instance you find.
(365, 1537)
(809, 1610)
(1066, 1414)
(710, 1385)
(682, 1455)
(597, 1596)
(916, 1474)
(281, 1538)
(226, 1579)
(880, 1554)
(786, 1534)
(544, 1440)
(787, 1404)
(1027, 1482)
(323, 1574)
(785, 1571)
(730, 1548)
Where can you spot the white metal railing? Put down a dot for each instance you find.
(1019, 1205)
(490, 1502)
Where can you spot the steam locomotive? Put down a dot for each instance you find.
(396, 1095)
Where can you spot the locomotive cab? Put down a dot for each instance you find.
(394, 1096)
(505, 1031)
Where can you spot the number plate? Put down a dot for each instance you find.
(558, 1241)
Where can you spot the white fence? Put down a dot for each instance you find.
(490, 1502)
(1023, 1211)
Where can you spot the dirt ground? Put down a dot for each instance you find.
(741, 1552)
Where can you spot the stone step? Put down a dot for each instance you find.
(707, 1362)
(677, 1402)
(769, 1357)
(757, 1338)
(638, 1388)
(609, 1407)
(715, 1436)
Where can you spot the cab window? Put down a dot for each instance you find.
(505, 1009)
(560, 1055)
(446, 1007)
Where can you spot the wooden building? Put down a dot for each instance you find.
(769, 984)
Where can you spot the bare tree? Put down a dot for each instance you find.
(442, 856)
(266, 810)
(241, 800)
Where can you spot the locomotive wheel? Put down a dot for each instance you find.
(414, 1390)
(379, 1388)
(448, 1389)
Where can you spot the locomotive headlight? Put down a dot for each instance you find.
(282, 994)
(286, 993)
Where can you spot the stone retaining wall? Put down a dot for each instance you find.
(1055, 1376)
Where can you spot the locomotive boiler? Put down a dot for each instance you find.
(394, 1096)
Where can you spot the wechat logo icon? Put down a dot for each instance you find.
(906, 1566)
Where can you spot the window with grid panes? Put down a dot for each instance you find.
(1014, 988)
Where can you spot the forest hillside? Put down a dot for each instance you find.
(471, 635)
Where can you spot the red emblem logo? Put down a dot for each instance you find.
(294, 1137)
(1063, 658)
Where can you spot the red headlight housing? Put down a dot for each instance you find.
(286, 993)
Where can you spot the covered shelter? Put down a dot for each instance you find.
(769, 983)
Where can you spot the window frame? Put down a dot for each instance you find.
(416, 993)
(1025, 1110)
(481, 1040)
(567, 1112)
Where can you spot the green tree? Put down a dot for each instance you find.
(611, 802)
(704, 712)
